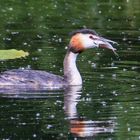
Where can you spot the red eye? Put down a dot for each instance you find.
(91, 37)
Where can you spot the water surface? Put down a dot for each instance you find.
(107, 106)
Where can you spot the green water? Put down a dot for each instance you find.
(107, 106)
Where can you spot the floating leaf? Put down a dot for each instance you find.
(12, 54)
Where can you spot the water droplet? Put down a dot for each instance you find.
(103, 103)
(8, 39)
(12, 118)
(119, 7)
(24, 43)
(54, 66)
(101, 76)
(23, 123)
(28, 67)
(93, 65)
(61, 134)
(49, 126)
(10, 9)
(34, 135)
(60, 40)
(124, 69)
(37, 114)
(98, 53)
(14, 33)
(39, 36)
(39, 50)
(114, 93)
(98, 111)
(133, 86)
(29, 14)
(113, 6)
(52, 116)
(34, 58)
(114, 76)
(125, 111)
(99, 12)
(124, 39)
(109, 19)
(129, 129)
(134, 67)
(132, 107)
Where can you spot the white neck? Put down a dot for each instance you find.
(71, 73)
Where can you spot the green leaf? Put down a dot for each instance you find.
(12, 54)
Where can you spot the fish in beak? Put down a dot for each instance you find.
(101, 42)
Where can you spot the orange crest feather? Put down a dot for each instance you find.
(76, 44)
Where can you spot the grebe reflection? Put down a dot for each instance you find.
(81, 126)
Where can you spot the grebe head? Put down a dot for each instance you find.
(87, 38)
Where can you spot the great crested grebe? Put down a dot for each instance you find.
(37, 80)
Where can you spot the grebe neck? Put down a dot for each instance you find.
(71, 73)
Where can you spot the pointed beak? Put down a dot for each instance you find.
(105, 43)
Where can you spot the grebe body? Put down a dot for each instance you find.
(37, 80)
(19, 79)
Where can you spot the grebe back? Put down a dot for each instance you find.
(37, 80)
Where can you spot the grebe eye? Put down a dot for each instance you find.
(91, 37)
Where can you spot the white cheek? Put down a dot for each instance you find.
(87, 42)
